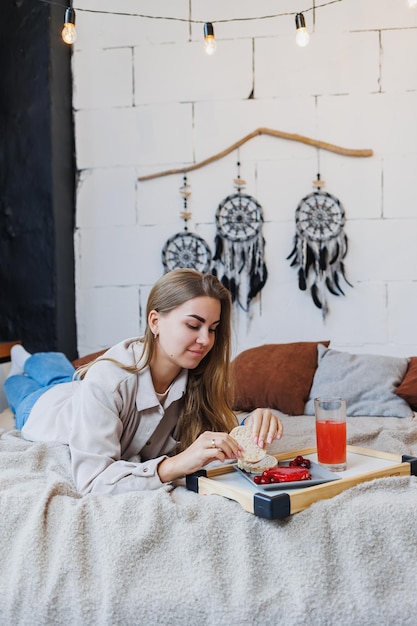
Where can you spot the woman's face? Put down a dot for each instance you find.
(187, 333)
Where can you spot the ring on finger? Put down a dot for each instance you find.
(213, 444)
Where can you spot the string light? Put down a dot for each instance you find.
(69, 34)
(191, 21)
(301, 36)
(209, 39)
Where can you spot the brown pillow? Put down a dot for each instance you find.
(275, 376)
(408, 388)
(87, 358)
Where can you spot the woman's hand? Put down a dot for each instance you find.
(265, 426)
(209, 446)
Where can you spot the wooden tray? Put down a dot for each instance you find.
(363, 464)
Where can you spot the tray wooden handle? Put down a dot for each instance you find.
(244, 497)
(301, 500)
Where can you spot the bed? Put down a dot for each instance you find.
(173, 556)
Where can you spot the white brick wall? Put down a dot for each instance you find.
(147, 98)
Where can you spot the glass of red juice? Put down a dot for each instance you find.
(331, 432)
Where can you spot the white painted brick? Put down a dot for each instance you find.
(208, 233)
(402, 305)
(184, 72)
(331, 64)
(365, 15)
(116, 256)
(282, 184)
(357, 182)
(367, 122)
(164, 133)
(111, 315)
(104, 30)
(159, 200)
(106, 197)
(289, 314)
(279, 240)
(219, 125)
(106, 138)
(238, 12)
(125, 137)
(103, 78)
(399, 50)
(382, 250)
(399, 186)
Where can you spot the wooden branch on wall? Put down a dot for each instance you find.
(262, 131)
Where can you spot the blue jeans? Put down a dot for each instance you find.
(43, 370)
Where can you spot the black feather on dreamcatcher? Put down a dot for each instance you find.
(320, 245)
(186, 249)
(239, 246)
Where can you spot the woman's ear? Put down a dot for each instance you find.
(153, 320)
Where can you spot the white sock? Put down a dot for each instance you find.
(18, 357)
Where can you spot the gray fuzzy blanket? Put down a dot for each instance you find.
(175, 557)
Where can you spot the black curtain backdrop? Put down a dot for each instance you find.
(37, 179)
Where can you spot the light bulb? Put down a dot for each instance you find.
(302, 36)
(412, 3)
(209, 39)
(69, 34)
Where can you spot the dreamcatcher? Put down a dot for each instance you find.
(239, 245)
(320, 245)
(186, 250)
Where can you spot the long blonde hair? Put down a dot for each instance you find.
(208, 397)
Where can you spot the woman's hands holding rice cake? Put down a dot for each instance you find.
(253, 458)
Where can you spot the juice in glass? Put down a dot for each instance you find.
(331, 443)
(331, 432)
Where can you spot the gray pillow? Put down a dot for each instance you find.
(366, 381)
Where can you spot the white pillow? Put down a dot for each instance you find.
(366, 381)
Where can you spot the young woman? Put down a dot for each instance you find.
(151, 409)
